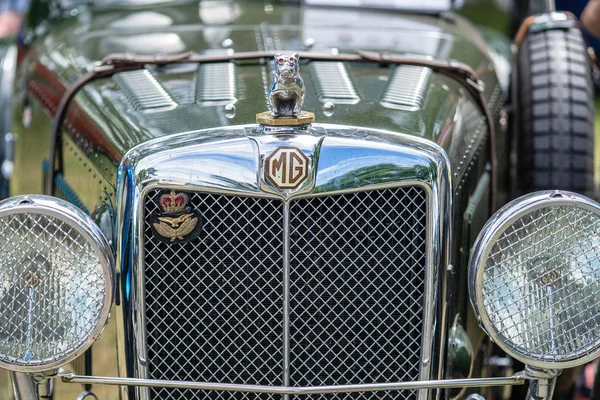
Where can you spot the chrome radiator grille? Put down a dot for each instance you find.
(356, 288)
(214, 306)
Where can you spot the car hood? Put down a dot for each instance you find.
(136, 106)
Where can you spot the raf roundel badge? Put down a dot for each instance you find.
(176, 223)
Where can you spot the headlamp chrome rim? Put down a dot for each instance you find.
(84, 225)
(482, 247)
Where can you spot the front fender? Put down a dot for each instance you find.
(8, 61)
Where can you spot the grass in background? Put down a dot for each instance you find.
(488, 14)
(105, 363)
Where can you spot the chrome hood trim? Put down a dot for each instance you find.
(230, 160)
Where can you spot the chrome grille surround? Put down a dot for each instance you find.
(230, 168)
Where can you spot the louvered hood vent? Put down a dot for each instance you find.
(407, 88)
(217, 84)
(144, 92)
(333, 82)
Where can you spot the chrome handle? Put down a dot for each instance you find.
(69, 377)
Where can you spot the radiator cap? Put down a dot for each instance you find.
(265, 118)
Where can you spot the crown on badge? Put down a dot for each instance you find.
(173, 201)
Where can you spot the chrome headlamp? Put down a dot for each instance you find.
(534, 279)
(56, 283)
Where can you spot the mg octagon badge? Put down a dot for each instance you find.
(287, 167)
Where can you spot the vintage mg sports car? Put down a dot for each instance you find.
(276, 200)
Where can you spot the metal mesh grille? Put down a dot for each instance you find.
(214, 305)
(540, 283)
(357, 283)
(52, 289)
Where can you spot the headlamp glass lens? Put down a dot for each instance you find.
(541, 287)
(52, 289)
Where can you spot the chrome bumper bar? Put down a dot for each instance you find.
(517, 379)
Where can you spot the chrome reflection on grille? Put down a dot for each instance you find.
(357, 283)
(214, 306)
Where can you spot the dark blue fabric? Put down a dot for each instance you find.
(19, 6)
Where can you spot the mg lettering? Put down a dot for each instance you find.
(287, 167)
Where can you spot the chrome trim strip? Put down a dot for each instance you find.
(8, 61)
(123, 224)
(23, 386)
(286, 295)
(139, 276)
(226, 161)
(517, 379)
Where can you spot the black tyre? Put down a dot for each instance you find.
(555, 112)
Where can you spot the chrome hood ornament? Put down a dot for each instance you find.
(286, 94)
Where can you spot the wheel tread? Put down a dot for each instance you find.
(556, 112)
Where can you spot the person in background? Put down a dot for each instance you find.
(589, 14)
(590, 17)
(11, 16)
